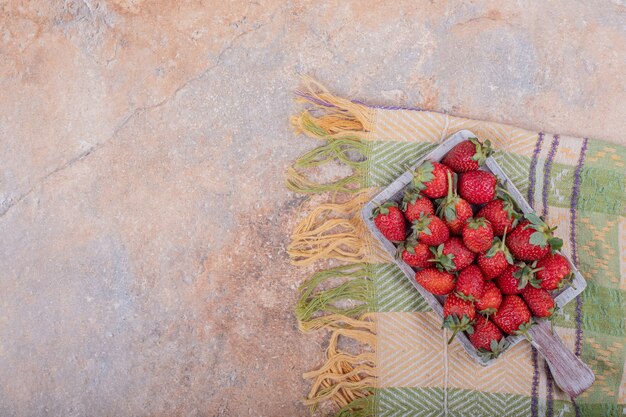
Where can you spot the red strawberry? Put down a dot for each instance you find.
(501, 214)
(470, 284)
(513, 316)
(539, 301)
(414, 204)
(430, 229)
(468, 155)
(478, 235)
(490, 301)
(555, 273)
(435, 281)
(415, 254)
(487, 338)
(389, 220)
(453, 209)
(477, 187)
(532, 240)
(515, 278)
(431, 179)
(458, 315)
(453, 255)
(496, 259)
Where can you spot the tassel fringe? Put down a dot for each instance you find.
(352, 153)
(357, 288)
(344, 377)
(300, 184)
(337, 148)
(335, 117)
(335, 231)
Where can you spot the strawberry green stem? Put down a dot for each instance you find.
(454, 333)
(450, 195)
(506, 192)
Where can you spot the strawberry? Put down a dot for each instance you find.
(478, 235)
(458, 315)
(490, 301)
(468, 155)
(487, 338)
(389, 220)
(501, 214)
(415, 254)
(496, 259)
(477, 187)
(453, 209)
(470, 285)
(431, 179)
(452, 255)
(414, 204)
(539, 301)
(430, 229)
(435, 281)
(513, 316)
(556, 271)
(532, 239)
(515, 278)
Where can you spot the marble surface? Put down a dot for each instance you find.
(142, 149)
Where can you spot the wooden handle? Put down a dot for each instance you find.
(568, 371)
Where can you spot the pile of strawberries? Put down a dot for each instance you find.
(452, 228)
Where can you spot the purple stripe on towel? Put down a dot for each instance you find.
(313, 99)
(549, 402)
(535, 384)
(576, 408)
(531, 193)
(533, 166)
(546, 174)
(573, 215)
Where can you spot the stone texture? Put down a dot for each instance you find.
(142, 148)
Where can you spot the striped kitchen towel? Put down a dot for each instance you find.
(387, 354)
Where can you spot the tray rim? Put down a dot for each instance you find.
(400, 183)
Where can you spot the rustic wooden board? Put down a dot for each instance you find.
(563, 363)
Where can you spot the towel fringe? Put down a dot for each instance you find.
(356, 288)
(345, 377)
(352, 153)
(335, 117)
(297, 182)
(335, 231)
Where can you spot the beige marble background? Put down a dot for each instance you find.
(143, 217)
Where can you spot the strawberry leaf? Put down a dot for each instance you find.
(533, 218)
(523, 330)
(450, 213)
(539, 239)
(555, 243)
(423, 175)
(465, 297)
(491, 252)
(509, 257)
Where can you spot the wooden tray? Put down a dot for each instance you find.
(395, 191)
